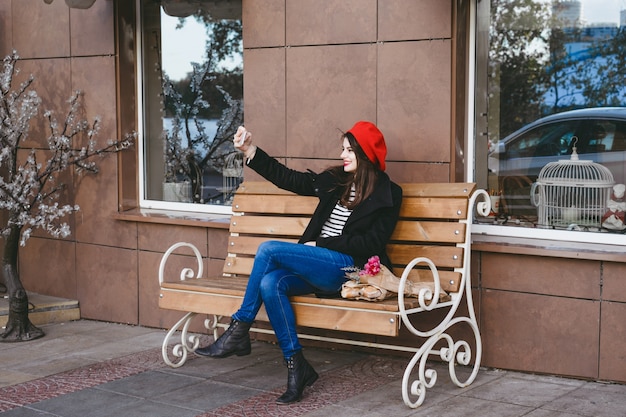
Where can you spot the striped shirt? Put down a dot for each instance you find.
(338, 218)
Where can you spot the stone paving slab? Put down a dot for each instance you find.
(138, 383)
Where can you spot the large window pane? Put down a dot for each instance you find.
(561, 59)
(192, 102)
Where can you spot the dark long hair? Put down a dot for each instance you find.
(364, 177)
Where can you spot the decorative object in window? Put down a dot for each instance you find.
(572, 194)
(615, 216)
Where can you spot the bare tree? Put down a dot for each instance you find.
(189, 154)
(31, 180)
(206, 93)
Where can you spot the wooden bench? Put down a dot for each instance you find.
(431, 243)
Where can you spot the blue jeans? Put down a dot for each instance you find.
(283, 269)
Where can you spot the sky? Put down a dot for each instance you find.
(602, 10)
(181, 46)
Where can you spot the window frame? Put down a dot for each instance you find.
(478, 141)
(144, 202)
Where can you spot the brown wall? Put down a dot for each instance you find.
(310, 68)
(553, 315)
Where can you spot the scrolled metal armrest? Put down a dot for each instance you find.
(185, 273)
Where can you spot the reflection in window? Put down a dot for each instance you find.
(543, 58)
(192, 100)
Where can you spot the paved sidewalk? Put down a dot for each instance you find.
(91, 369)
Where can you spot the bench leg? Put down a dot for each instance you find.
(213, 325)
(454, 353)
(188, 343)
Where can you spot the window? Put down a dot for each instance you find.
(191, 102)
(549, 84)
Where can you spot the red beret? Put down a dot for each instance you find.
(371, 141)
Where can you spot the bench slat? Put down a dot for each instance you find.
(222, 296)
(238, 265)
(347, 319)
(442, 256)
(278, 204)
(261, 187)
(368, 321)
(207, 302)
(236, 286)
(270, 225)
(459, 189)
(431, 232)
(433, 208)
(248, 245)
(413, 231)
(417, 207)
(449, 280)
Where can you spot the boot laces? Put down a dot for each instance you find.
(232, 327)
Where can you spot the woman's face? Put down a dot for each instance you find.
(348, 156)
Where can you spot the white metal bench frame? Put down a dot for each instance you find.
(413, 387)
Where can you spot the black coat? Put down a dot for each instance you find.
(368, 228)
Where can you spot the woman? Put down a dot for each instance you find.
(357, 212)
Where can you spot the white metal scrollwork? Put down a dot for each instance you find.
(185, 273)
(188, 342)
(213, 325)
(453, 353)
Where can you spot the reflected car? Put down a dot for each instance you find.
(598, 134)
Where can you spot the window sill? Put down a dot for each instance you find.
(178, 218)
(548, 248)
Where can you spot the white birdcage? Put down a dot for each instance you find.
(572, 193)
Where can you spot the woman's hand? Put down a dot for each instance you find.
(243, 142)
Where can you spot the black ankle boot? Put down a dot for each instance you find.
(234, 341)
(300, 374)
